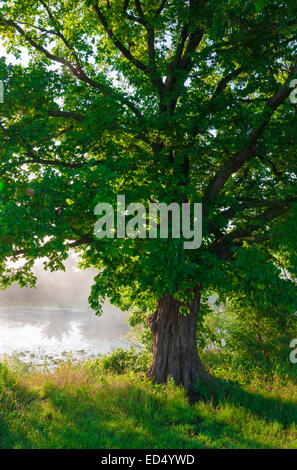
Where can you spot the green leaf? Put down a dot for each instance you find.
(260, 5)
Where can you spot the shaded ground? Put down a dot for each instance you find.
(80, 407)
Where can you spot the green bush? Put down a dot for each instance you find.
(243, 337)
(120, 361)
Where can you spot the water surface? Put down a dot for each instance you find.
(53, 320)
(38, 334)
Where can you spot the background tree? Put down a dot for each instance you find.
(248, 337)
(163, 101)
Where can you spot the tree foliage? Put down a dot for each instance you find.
(184, 101)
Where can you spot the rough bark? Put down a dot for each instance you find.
(174, 346)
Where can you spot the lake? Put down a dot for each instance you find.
(47, 333)
(53, 320)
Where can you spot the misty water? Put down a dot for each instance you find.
(53, 321)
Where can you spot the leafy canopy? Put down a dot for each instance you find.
(163, 101)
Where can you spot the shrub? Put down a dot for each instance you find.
(120, 361)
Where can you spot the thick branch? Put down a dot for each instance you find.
(65, 114)
(126, 53)
(224, 82)
(150, 71)
(223, 246)
(76, 71)
(161, 8)
(250, 150)
(85, 240)
(182, 61)
(253, 204)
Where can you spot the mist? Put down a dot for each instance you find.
(60, 289)
(54, 318)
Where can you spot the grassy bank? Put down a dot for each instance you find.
(85, 406)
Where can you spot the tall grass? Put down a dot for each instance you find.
(96, 405)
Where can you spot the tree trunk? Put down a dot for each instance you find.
(175, 344)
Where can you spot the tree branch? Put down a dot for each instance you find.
(126, 53)
(85, 240)
(222, 247)
(253, 204)
(223, 83)
(76, 71)
(161, 8)
(182, 61)
(65, 114)
(250, 150)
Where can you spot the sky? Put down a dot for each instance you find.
(24, 59)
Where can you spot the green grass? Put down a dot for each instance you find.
(83, 406)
